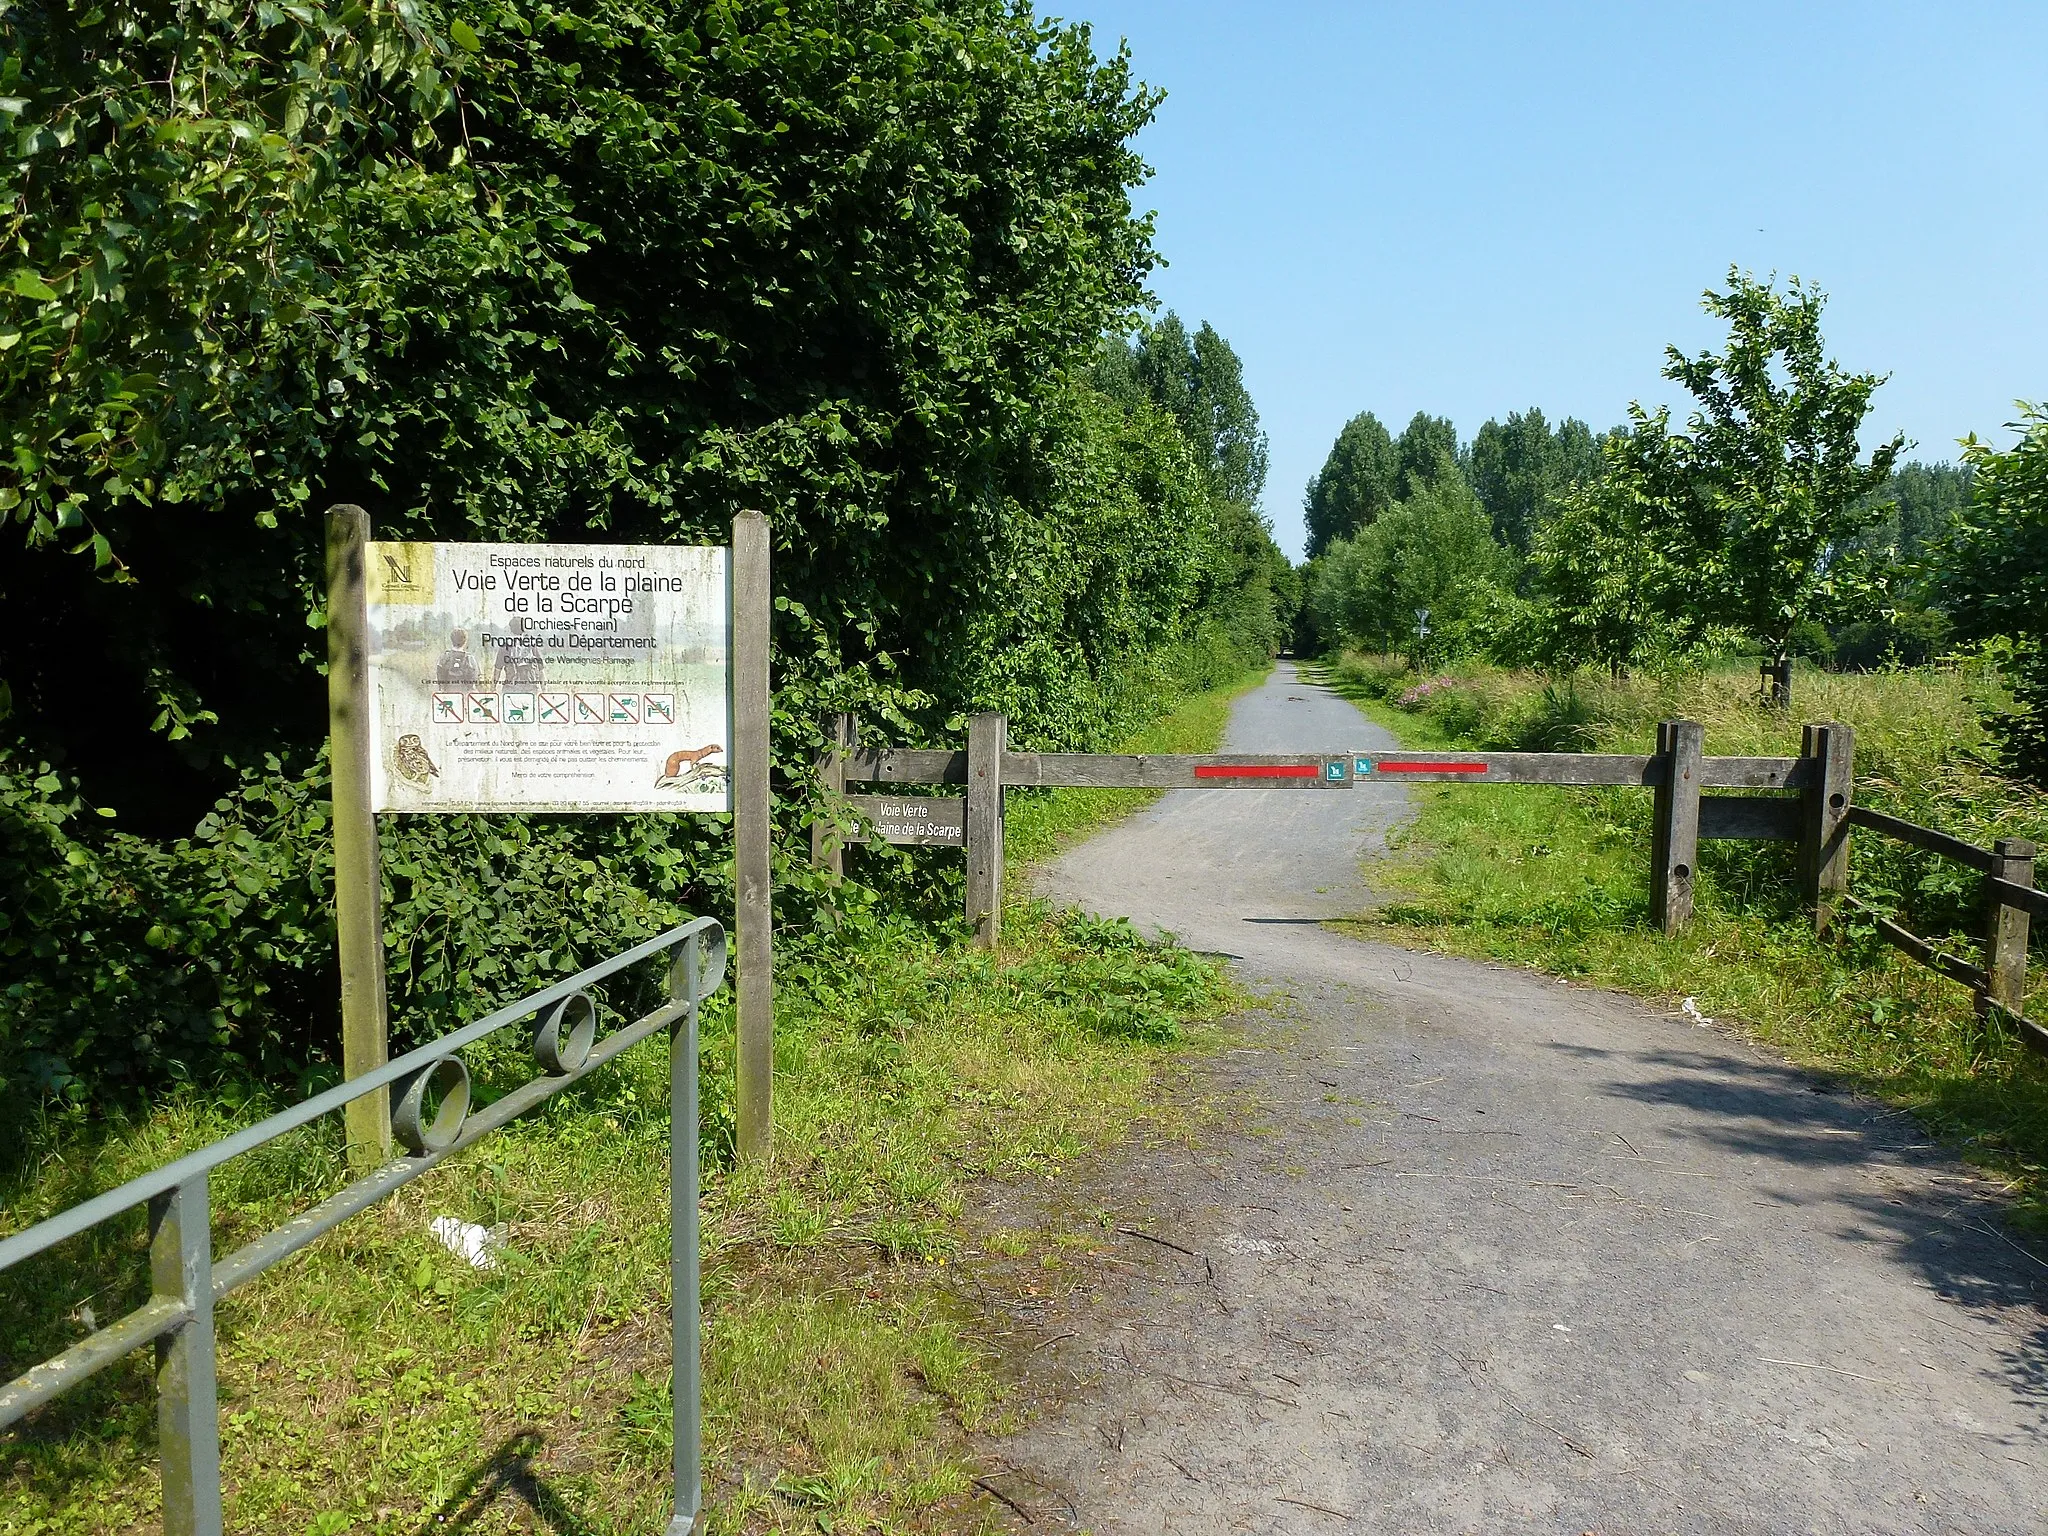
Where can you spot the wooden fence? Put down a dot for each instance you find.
(1808, 800)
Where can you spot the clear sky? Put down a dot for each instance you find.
(1476, 208)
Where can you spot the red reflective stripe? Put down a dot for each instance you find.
(1429, 768)
(1257, 771)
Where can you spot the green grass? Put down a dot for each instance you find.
(377, 1383)
(1556, 879)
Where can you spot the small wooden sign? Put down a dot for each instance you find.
(920, 820)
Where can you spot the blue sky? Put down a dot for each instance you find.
(1472, 209)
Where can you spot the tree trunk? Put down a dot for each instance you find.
(1776, 690)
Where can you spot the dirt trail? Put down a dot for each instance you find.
(1500, 1254)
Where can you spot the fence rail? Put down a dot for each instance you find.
(1253, 770)
(431, 1118)
(2008, 898)
(1812, 795)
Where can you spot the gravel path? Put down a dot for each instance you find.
(1491, 1253)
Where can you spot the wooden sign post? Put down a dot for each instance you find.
(545, 677)
(358, 878)
(754, 909)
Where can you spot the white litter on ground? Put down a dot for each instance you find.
(1691, 1009)
(466, 1240)
(1255, 1245)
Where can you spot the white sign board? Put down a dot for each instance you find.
(549, 677)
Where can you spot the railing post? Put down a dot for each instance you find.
(685, 1289)
(187, 1396)
(987, 735)
(1824, 841)
(828, 852)
(1675, 837)
(2005, 936)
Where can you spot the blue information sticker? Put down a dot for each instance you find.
(1336, 772)
(1362, 766)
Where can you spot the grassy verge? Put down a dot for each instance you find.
(1556, 879)
(378, 1383)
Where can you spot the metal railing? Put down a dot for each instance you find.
(431, 1118)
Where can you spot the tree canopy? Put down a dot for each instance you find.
(559, 270)
(1358, 481)
(1520, 467)
(1752, 510)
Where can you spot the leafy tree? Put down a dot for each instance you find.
(1431, 554)
(1426, 450)
(1199, 380)
(565, 269)
(1993, 575)
(1917, 505)
(1520, 467)
(1592, 568)
(1358, 481)
(1751, 513)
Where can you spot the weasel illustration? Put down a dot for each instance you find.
(677, 761)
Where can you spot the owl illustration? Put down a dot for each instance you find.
(412, 762)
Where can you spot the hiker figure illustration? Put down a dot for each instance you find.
(518, 666)
(457, 667)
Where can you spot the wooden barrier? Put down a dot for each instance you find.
(1813, 807)
(987, 769)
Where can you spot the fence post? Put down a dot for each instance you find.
(987, 735)
(828, 852)
(754, 914)
(187, 1396)
(1675, 839)
(2005, 937)
(1824, 841)
(358, 879)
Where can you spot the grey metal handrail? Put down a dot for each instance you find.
(186, 1280)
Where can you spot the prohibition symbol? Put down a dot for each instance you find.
(660, 709)
(554, 709)
(483, 709)
(625, 709)
(590, 709)
(447, 709)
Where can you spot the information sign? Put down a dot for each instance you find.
(915, 820)
(548, 677)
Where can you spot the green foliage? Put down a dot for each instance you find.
(1751, 513)
(1426, 577)
(1358, 481)
(1592, 569)
(1994, 577)
(1917, 505)
(1520, 468)
(1196, 383)
(562, 271)
(1425, 452)
(1198, 380)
